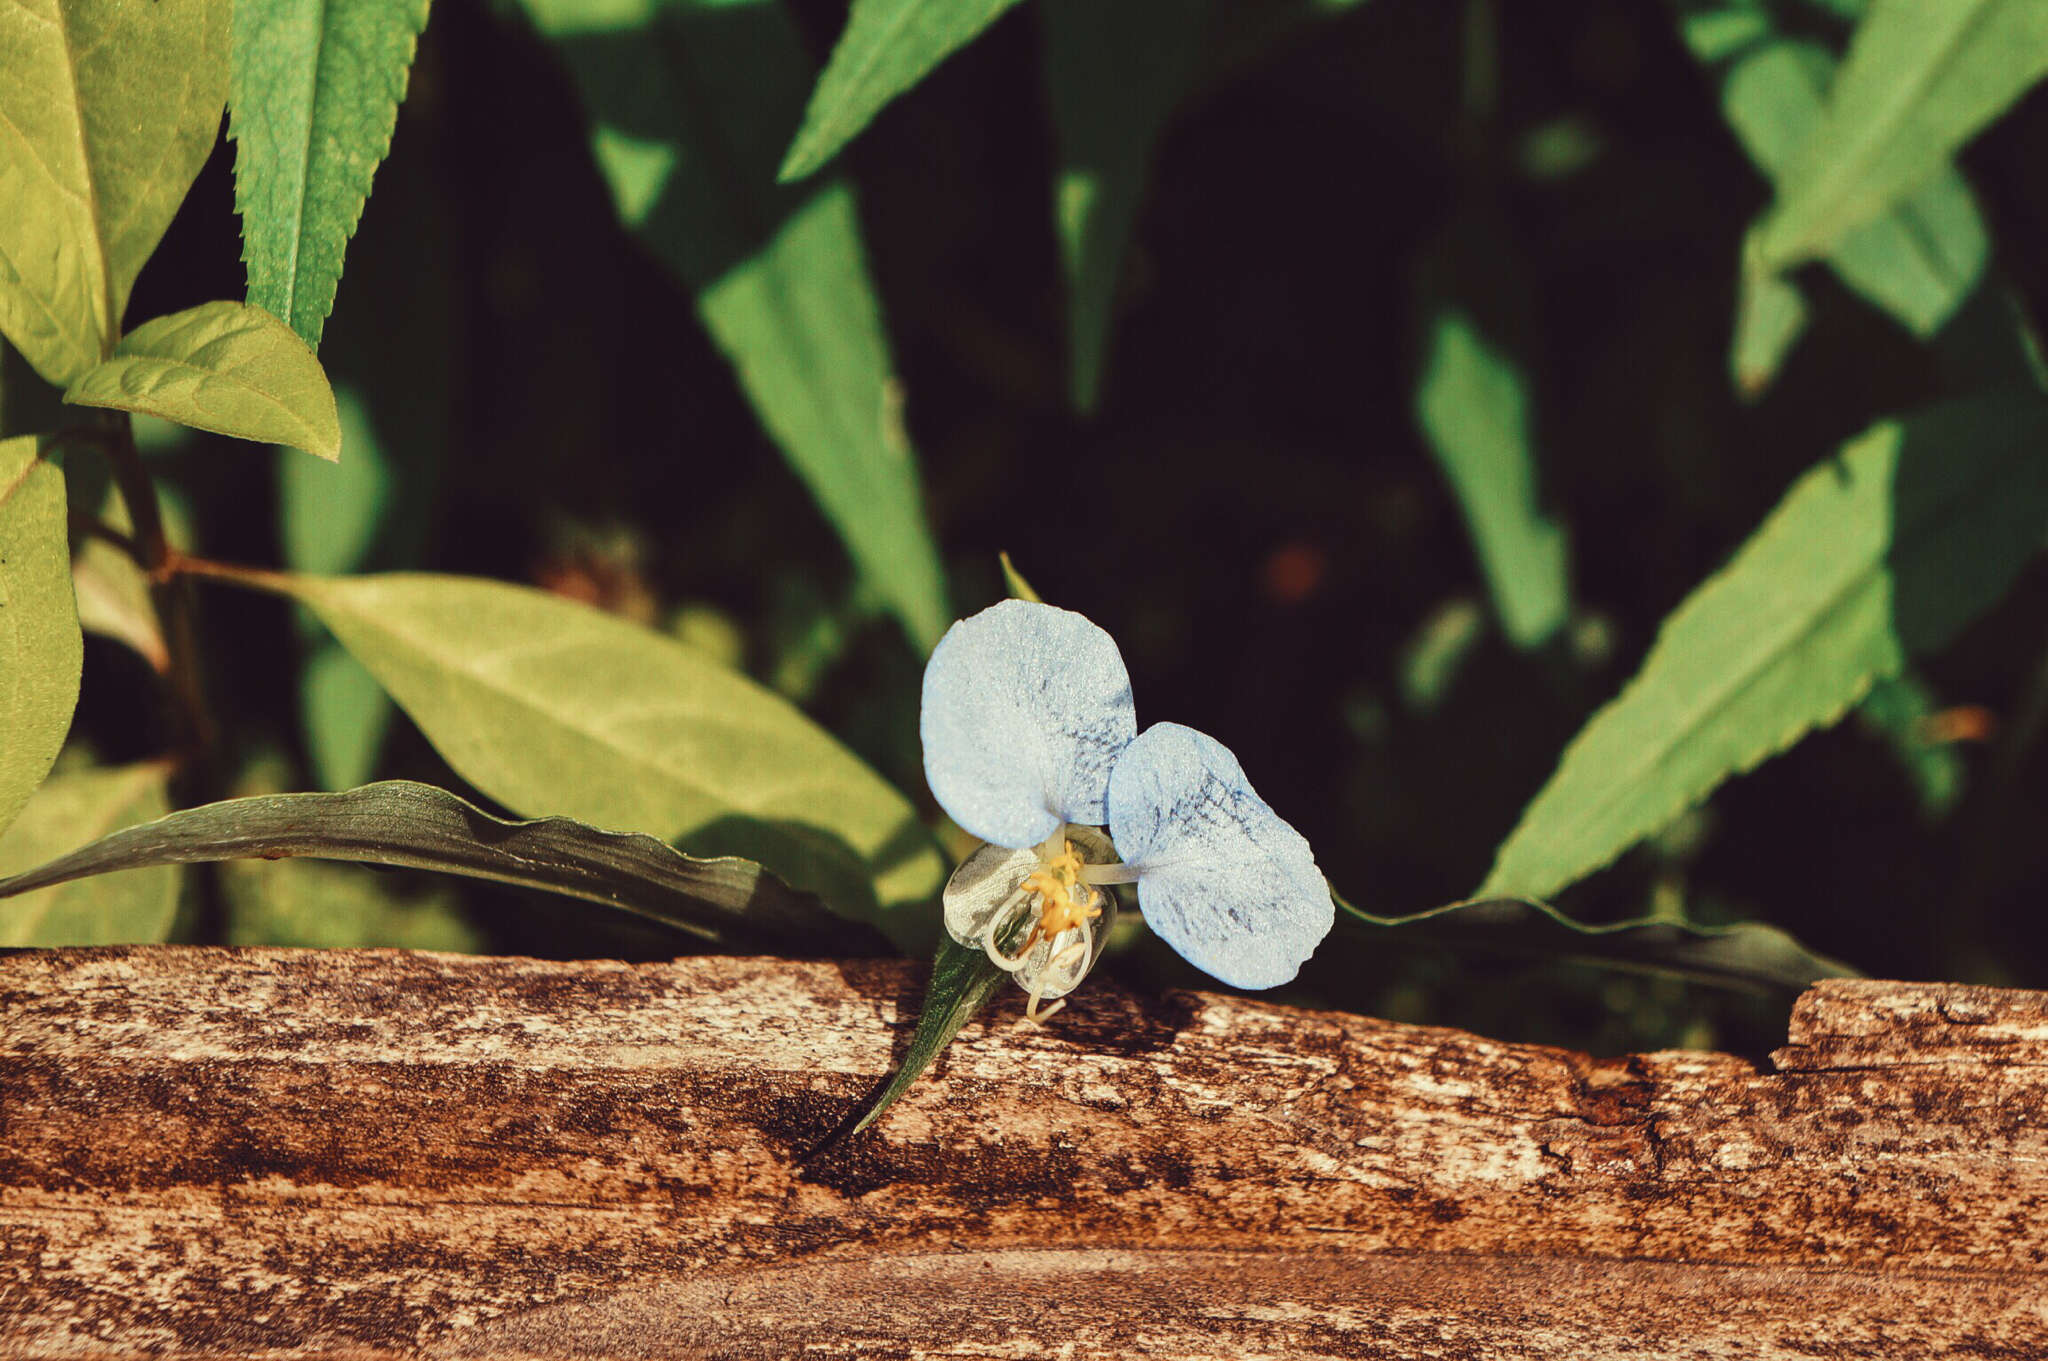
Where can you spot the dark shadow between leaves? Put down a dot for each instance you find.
(705, 96)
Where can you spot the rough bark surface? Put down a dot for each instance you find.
(369, 1154)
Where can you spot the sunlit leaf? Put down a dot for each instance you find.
(1749, 955)
(107, 110)
(70, 809)
(415, 826)
(314, 98)
(1917, 260)
(687, 103)
(221, 366)
(888, 46)
(1920, 80)
(40, 645)
(1115, 73)
(1473, 406)
(1886, 551)
(552, 707)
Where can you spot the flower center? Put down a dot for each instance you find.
(1064, 902)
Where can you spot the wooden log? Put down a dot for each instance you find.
(282, 1153)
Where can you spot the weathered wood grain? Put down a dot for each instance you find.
(368, 1154)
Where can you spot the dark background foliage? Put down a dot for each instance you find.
(1252, 513)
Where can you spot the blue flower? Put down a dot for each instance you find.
(1031, 744)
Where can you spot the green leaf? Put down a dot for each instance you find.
(40, 645)
(1115, 73)
(1754, 956)
(107, 111)
(113, 592)
(225, 367)
(330, 519)
(551, 707)
(1472, 405)
(415, 826)
(962, 983)
(1770, 316)
(1886, 551)
(314, 97)
(888, 46)
(73, 808)
(1920, 80)
(685, 102)
(1917, 261)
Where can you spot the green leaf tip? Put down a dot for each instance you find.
(963, 982)
(226, 367)
(888, 46)
(314, 96)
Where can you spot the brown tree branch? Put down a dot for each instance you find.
(370, 1154)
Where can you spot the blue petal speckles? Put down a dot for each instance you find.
(1221, 877)
(1026, 706)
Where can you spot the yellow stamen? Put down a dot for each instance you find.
(1064, 902)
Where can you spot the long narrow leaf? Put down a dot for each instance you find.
(888, 46)
(416, 826)
(314, 97)
(686, 104)
(1747, 955)
(1886, 551)
(1115, 73)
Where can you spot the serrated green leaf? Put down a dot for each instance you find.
(686, 102)
(1115, 74)
(1920, 80)
(1472, 404)
(551, 707)
(1747, 955)
(78, 807)
(225, 367)
(404, 825)
(314, 98)
(1882, 552)
(888, 46)
(40, 645)
(962, 983)
(1918, 260)
(107, 111)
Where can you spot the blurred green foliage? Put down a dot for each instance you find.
(1503, 425)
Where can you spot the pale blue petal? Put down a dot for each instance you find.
(1025, 708)
(1221, 877)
